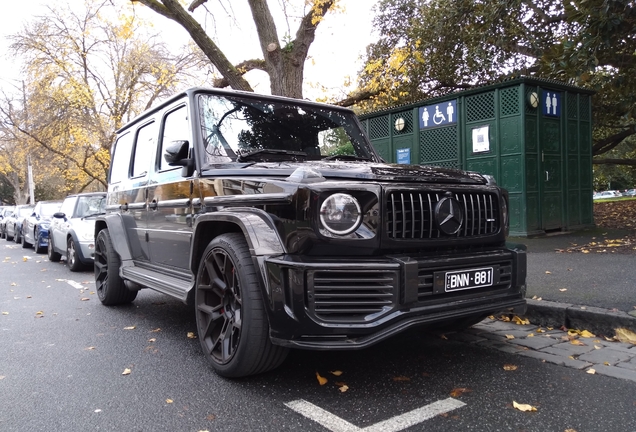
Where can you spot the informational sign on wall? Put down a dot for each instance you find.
(441, 114)
(403, 156)
(481, 141)
(551, 103)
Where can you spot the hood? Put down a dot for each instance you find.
(352, 171)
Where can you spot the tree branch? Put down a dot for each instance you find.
(243, 68)
(631, 162)
(612, 141)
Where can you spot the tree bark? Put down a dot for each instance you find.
(607, 144)
(171, 9)
(631, 162)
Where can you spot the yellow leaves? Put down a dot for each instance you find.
(520, 321)
(191, 335)
(577, 342)
(169, 401)
(321, 380)
(508, 336)
(342, 387)
(5, 313)
(457, 392)
(130, 328)
(336, 373)
(563, 289)
(90, 348)
(626, 336)
(401, 378)
(157, 330)
(591, 371)
(126, 371)
(523, 407)
(510, 367)
(152, 340)
(587, 334)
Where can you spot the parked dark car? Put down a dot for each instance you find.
(4, 214)
(72, 230)
(35, 228)
(13, 224)
(280, 223)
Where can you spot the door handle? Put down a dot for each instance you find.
(124, 207)
(547, 176)
(153, 205)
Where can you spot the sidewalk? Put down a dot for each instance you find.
(588, 352)
(593, 290)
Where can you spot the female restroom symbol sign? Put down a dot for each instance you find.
(551, 103)
(441, 114)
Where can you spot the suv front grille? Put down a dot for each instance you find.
(411, 215)
(354, 295)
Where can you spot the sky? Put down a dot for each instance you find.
(336, 53)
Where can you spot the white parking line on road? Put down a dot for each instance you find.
(394, 424)
(74, 284)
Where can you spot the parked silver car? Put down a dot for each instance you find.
(13, 223)
(71, 232)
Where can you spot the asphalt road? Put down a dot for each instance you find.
(601, 279)
(63, 355)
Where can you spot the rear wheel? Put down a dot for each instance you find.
(111, 289)
(53, 256)
(231, 320)
(72, 257)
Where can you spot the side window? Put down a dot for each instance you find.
(175, 128)
(68, 206)
(121, 158)
(144, 149)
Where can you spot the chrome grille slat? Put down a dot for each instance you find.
(481, 214)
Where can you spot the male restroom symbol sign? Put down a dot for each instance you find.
(440, 114)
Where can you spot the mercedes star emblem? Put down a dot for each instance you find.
(448, 215)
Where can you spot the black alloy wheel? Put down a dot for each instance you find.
(231, 322)
(111, 289)
(53, 256)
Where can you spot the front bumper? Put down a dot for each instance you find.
(319, 303)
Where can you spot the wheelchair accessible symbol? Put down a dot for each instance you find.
(441, 114)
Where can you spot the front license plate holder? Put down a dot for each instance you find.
(465, 279)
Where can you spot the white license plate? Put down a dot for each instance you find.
(469, 279)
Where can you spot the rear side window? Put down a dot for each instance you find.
(121, 158)
(144, 149)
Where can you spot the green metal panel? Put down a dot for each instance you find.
(544, 162)
(439, 146)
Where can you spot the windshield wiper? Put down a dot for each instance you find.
(264, 153)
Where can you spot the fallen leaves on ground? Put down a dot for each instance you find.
(401, 378)
(626, 336)
(130, 328)
(523, 407)
(459, 391)
(336, 373)
(591, 371)
(510, 367)
(321, 380)
(126, 372)
(191, 335)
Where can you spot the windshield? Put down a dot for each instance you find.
(25, 211)
(268, 130)
(90, 205)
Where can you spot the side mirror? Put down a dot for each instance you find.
(59, 215)
(177, 153)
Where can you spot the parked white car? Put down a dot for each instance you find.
(72, 229)
(607, 194)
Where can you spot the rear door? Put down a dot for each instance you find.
(169, 193)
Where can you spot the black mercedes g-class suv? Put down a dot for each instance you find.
(280, 223)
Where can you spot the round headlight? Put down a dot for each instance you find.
(340, 214)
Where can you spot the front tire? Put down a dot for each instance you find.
(53, 256)
(231, 320)
(72, 256)
(38, 244)
(111, 289)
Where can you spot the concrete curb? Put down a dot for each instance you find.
(596, 320)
